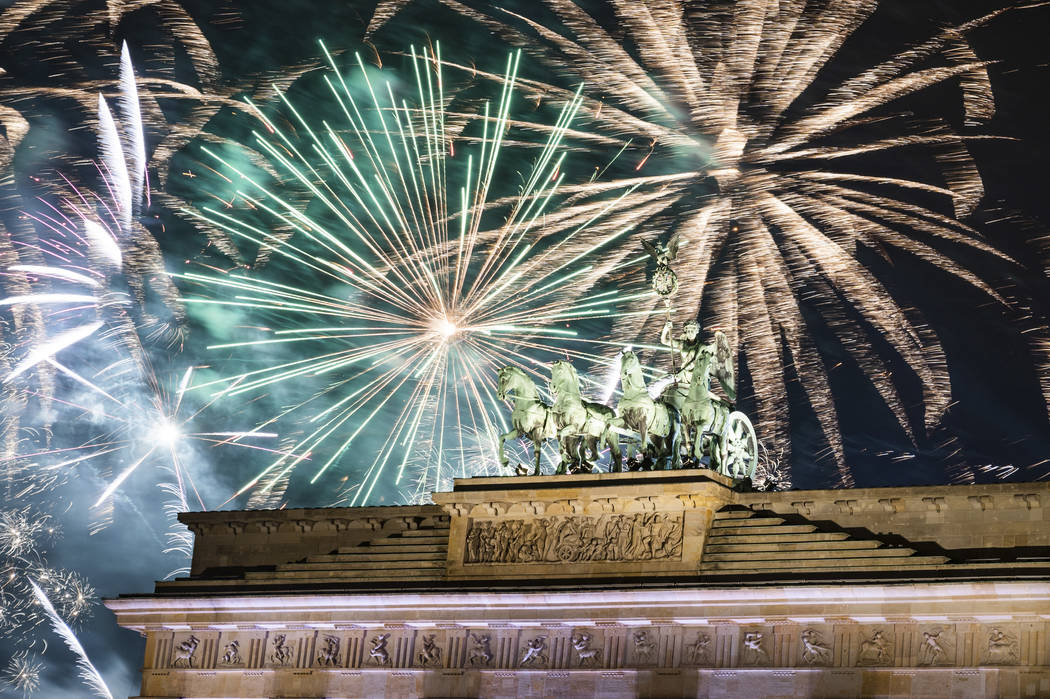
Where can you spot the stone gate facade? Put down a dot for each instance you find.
(661, 584)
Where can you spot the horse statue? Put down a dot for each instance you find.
(710, 425)
(582, 425)
(653, 420)
(530, 418)
(703, 413)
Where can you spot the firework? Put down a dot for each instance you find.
(733, 140)
(88, 673)
(413, 274)
(23, 672)
(23, 536)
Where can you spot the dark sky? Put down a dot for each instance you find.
(999, 418)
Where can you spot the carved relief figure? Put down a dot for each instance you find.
(431, 653)
(378, 653)
(184, 652)
(610, 537)
(329, 653)
(814, 652)
(479, 652)
(1002, 648)
(700, 652)
(282, 652)
(875, 651)
(231, 653)
(643, 647)
(754, 653)
(535, 652)
(588, 657)
(931, 651)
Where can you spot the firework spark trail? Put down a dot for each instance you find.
(88, 673)
(434, 299)
(766, 190)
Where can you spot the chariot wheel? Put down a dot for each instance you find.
(738, 447)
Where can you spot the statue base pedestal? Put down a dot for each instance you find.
(608, 525)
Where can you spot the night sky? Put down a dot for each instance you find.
(996, 427)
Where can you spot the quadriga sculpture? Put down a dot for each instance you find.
(583, 426)
(688, 420)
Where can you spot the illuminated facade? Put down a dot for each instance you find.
(666, 584)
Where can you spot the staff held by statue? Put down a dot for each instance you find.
(664, 281)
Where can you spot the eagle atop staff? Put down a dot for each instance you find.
(664, 281)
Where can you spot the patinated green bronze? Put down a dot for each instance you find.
(688, 425)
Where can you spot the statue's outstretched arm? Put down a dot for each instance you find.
(667, 339)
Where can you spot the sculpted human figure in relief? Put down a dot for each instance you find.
(587, 656)
(1002, 648)
(329, 653)
(378, 652)
(534, 652)
(431, 653)
(814, 652)
(232, 653)
(282, 652)
(185, 650)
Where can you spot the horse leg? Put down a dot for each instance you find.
(591, 446)
(537, 446)
(686, 436)
(513, 434)
(643, 430)
(674, 457)
(613, 440)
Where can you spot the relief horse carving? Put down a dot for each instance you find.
(185, 650)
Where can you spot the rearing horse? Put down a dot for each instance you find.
(582, 425)
(531, 417)
(652, 420)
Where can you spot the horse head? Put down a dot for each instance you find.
(563, 378)
(501, 383)
(631, 370)
(511, 379)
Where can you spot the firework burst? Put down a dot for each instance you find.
(23, 672)
(412, 276)
(736, 140)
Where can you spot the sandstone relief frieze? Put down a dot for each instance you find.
(479, 652)
(535, 652)
(328, 651)
(282, 651)
(815, 649)
(1000, 646)
(700, 652)
(754, 648)
(430, 651)
(231, 653)
(936, 647)
(587, 654)
(608, 537)
(876, 649)
(185, 651)
(643, 646)
(378, 654)
(598, 646)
